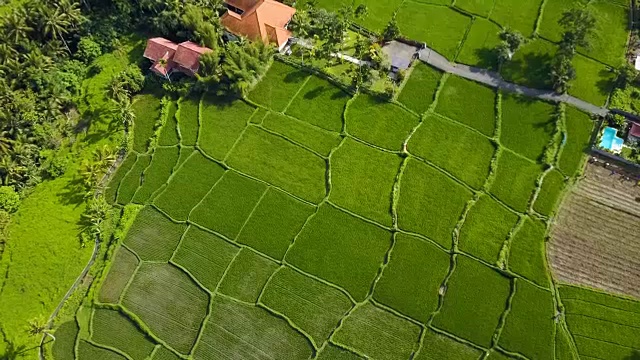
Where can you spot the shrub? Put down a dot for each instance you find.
(88, 50)
(57, 166)
(9, 199)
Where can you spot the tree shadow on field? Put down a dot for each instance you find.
(605, 82)
(73, 192)
(635, 355)
(532, 70)
(295, 76)
(317, 91)
(13, 352)
(488, 59)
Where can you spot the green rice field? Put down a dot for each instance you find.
(348, 227)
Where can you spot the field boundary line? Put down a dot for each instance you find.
(205, 196)
(395, 193)
(456, 122)
(365, 142)
(466, 31)
(346, 109)
(495, 339)
(226, 156)
(297, 92)
(178, 103)
(457, 338)
(381, 268)
(117, 194)
(292, 324)
(339, 326)
(505, 250)
(109, 348)
(395, 312)
(599, 304)
(151, 153)
(536, 26)
(442, 291)
(284, 137)
(255, 207)
(174, 169)
(328, 175)
(353, 214)
(443, 171)
(133, 275)
(175, 251)
(177, 169)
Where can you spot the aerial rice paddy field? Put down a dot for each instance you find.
(412, 229)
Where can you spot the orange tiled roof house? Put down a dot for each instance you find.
(168, 57)
(266, 20)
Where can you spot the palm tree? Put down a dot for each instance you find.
(54, 24)
(16, 26)
(39, 326)
(127, 115)
(10, 170)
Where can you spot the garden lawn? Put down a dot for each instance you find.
(188, 186)
(247, 275)
(205, 256)
(379, 122)
(162, 163)
(475, 299)
(320, 103)
(169, 132)
(188, 119)
(228, 205)
(515, 180)
(480, 44)
(608, 43)
(407, 285)
(146, 108)
(517, 15)
(552, 186)
(378, 334)
(527, 254)
(341, 249)
(440, 27)
(460, 151)
(531, 64)
(310, 304)
(122, 268)
(278, 87)
(469, 103)
(527, 125)
(552, 13)
(594, 81)
(419, 90)
(486, 228)
(317, 139)
(132, 181)
(440, 347)
(530, 309)
(430, 203)
(579, 127)
(275, 222)
(223, 120)
(362, 180)
(152, 236)
(111, 328)
(169, 303)
(280, 163)
(240, 331)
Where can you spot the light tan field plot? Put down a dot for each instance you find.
(596, 238)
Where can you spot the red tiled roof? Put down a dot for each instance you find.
(635, 130)
(265, 20)
(244, 5)
(188, 55)
(159, 47)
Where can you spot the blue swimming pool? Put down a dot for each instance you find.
(610, 140)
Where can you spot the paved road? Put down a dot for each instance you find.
(494, 79)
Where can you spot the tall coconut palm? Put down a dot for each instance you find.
(16, 27)
(54, 24)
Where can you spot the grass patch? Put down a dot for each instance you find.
(527, 125)
(362, 180)
(228, 205)
(111, 328)
(517, 15)
(169, 302)
(469, 103)
(531, 64)
(162, 163)
(515, 180)
(88, 351)
(553, 10)
(315, 138)
(147, 108)
(124, 264)
(320, 103)
(442, 28)
(275, 222)
(188, 119)
(188, 186)
(593, 82)
(280, 163)
(132, 181)
(341, 249)
(378, 333)
(440, 347)
(430, 203)
(64, 346)
(478, 7)
(169, 132)
(479, 46)
(579, 127)
(152, 236)
(486, 228)
(462, 152)
(527, 257)
(419, 90)
(531, 308)
(126, 165)
(609, 40)
(475, 299)
(312, 305)
(379, 122)
(205, 256)
(407, 285)
(223, 120)
(247, 275)
(552, 187)
(240, 331)
(278, 86)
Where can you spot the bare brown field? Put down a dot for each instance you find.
(595, 240)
